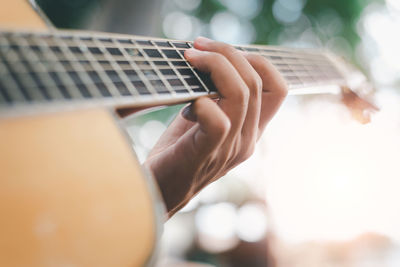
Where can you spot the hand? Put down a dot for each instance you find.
(209, 138)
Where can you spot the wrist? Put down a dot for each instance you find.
(175, 190)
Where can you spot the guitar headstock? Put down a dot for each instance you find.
(357, 92)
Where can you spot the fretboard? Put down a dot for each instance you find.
(61, 66)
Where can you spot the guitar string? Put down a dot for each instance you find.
(173, 69)
(281, 61)
(275, 60)
(193, 71)
(153, 69)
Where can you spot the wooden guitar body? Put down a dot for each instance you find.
(19, 14)
(72, 192)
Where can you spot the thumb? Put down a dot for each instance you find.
(210, 132)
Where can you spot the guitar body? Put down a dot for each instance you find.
(72, 192)
(19, 14)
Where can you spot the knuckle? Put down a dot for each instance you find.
(225, 48)
(242, 95)
(219, 58)
(225, 125)
(260, 59)
(222, 126)
(229, 49)
(281, 88)
(255, 85)
(248, 152)
(263, 63)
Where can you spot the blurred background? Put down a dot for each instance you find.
(321, 189)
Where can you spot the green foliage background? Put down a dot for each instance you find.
(73, 13)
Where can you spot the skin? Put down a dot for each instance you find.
(209, 138)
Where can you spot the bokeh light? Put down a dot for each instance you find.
(346, 184)
(188, 5)
(178, 25)
(227, 27)
(216, 226)
(287, 11)
(377, 28)
(247, 9)
(251, 222)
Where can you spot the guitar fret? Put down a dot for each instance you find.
(23, 83)
(32, 78)
(302, 64)
(287, 52)
(105, 83)
(292, 79)
(174, 70)
(64, 83)
(294, 62)
(68, 68)
(4, 95)
(76, 74)
(172, 53)
(205, 87)
(181, 62)
(131, 69)
(128, 88)
(138, 84)
(129, 79)
(48, 67)
(41, 71)
(10, 90)
(280, 53)
(294, 57)
(276, 53)
(156, 53)
(144, 81)
(97, 77)
(276, 60)
(13, 92)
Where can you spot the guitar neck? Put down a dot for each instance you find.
(55, 68)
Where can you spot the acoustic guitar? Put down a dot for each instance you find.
(72, 192)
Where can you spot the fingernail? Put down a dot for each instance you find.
(203, 40)
(188, 113)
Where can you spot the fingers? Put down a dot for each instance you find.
(232, 88)
(178, 127)
(210, 138)
(274, 89)
(251, 91)
(250, 77)
(210, 132)
(180, 164)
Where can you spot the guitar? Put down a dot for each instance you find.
(71, 189)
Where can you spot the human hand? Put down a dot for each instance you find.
(209, 138)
